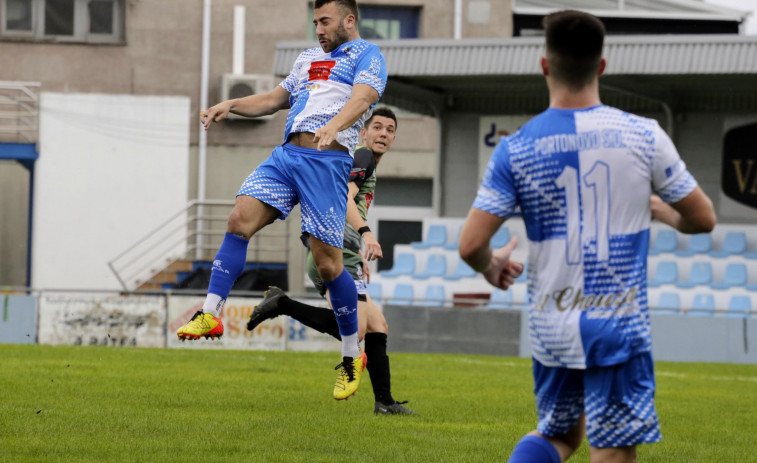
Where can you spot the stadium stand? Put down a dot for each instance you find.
(462, 270)
(436, 266)
(699, 275)
(668, 303)
(403, 294)
(734, 243)
(698, 244)
(702, 305)
(452, 245)
(739, 305)
(375, 290)
(404, 264)
(665, 241)
(433, 297)
(500, 299)
(435, 236)
(665, 274)
(684, 278)
(735, 276)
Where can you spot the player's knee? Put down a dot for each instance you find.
(328, 270)
(238, 224)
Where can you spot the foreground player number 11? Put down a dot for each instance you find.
(596, 210)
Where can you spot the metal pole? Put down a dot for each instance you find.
(458, 24)
(202, 144)
(238, 47)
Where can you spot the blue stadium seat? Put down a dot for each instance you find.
(698, 244)
(376, 291)
(702, 305)
(462, 270)
(500, 299)
(666, 241)
(733, 243)
(668, 303)
(435, 236)
(700, 275)
(436, 266)
(740, 306)
(404, 264)
(735, 276)
(403, 295)
(666, 274)
(433, 296)
(453, 245)
(501, 238)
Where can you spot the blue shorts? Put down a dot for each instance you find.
(618, 401)
(316, 179)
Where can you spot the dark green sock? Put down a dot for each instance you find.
(378, 367)
(319, 318)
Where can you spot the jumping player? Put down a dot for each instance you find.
(329, 93)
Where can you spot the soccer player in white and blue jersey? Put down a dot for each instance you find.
(330, 92)
(582, 175)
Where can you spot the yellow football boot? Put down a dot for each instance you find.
(348, 378)
(201, 325)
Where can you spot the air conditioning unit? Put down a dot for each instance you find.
(241, 85)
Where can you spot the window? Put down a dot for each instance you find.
(98, 21)
(381, 22)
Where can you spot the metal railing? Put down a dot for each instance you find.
(19, 111)
(193, 234)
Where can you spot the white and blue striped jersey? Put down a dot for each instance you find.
(321, 83)
(582, 180)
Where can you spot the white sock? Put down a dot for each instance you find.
(350, 346)
(213, 304)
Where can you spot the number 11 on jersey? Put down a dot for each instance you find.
(595, 211)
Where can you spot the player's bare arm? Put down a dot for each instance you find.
(363, 96)
(495, 265)
(251, 106)
(372, 246)
(692, 214)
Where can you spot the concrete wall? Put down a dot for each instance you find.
(111, 169)
(453, 330)
(676, 338)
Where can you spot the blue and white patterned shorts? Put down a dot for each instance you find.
(316, 179)
(618, 401)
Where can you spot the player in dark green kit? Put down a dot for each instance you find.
(378, 134)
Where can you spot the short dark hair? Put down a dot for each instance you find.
(348, 5)
(574, 42)
(383, 111)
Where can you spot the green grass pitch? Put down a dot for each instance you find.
(98, 404)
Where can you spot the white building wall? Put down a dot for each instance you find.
(111, 168)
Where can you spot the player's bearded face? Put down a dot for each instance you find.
(333, 37)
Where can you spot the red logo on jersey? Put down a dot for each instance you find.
(368, 200)
(320, 70)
